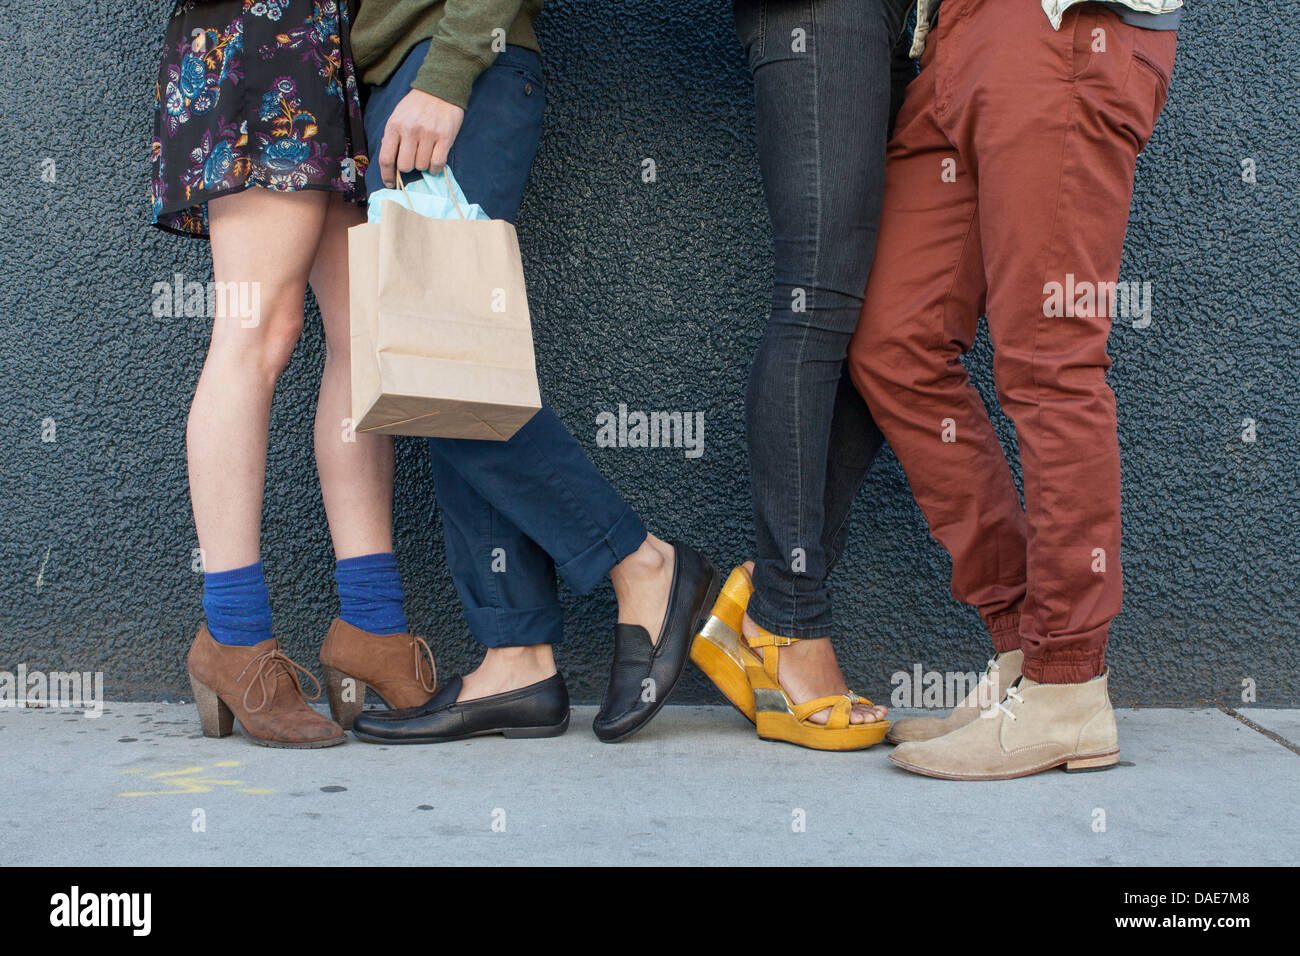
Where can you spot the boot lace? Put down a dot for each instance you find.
(418, 644)
(1012, 693)
(269, 666)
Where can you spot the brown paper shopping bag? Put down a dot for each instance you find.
(441, 340)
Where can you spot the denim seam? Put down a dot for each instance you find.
(832, 548)
(498, 597)
(800, 483)
(494, 609)
(563, 491)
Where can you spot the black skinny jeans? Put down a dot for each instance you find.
(827, 82)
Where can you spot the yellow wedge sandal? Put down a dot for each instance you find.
(779, 718)
(727, 660)
(718, 649)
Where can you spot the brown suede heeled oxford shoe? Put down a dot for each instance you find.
(260, 686)
(398, 667)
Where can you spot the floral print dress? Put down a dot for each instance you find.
(254, 93)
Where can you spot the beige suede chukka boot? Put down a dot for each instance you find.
(1036, 727)
(1003, 670)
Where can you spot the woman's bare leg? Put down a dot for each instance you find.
(356, 469)
(263, 242)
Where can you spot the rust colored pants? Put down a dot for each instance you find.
(1010, 170)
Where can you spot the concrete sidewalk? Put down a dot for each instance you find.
(696, 787)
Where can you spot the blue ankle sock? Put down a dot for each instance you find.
(370, 593)
(237, 606)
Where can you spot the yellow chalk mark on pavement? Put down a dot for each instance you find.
(190, 780)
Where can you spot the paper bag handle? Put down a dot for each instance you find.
(451, 193)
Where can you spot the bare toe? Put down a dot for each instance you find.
(862, 714)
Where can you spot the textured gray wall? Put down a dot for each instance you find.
(653, 295)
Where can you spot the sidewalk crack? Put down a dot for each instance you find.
(1275, 737)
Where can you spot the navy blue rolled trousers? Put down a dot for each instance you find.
(515, 512)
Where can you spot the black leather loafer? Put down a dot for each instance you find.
(644, 673)
(538, 710)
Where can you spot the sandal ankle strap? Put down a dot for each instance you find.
(771, 662)
(768, 639)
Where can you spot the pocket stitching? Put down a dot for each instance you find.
(1079, 25)
(1144, 60)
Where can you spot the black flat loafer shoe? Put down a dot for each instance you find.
(538, 710)
(644, 673)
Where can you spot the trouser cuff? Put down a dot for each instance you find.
(1066, 660)
(1005, 631)
(514, 627)
(1064, 671)
(585, 571)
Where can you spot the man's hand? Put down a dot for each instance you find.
(418, 135)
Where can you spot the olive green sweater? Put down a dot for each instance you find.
(463, 44)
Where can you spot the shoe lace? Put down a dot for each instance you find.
(989, 668)
(267, 667)
(418, 644)
(1013, 694)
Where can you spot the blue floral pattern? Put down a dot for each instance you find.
(299, 127)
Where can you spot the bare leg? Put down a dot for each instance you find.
(356, 469)
(642, 581)
(507, 668)
(266, 241)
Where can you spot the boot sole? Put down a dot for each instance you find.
(283, 745)
(1087, 763)
(520, 733)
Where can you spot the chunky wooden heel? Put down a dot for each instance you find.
(1087, 764)
(346, 695)
(216, 718)
(399, 668)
